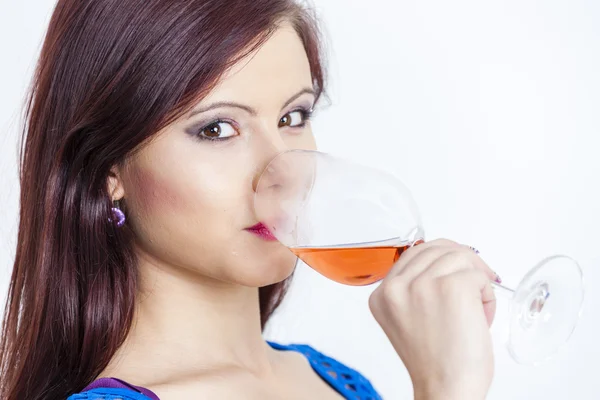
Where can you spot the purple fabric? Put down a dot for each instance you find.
(115, 383)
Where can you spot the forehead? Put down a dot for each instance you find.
(271, 73)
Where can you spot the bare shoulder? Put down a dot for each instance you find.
(292, 378)
(212, 386)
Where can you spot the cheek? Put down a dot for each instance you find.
(176, 216)
(185, 203)
(154, 192)
(305, 141)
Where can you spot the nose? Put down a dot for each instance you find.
(282, 192)
(265, 173)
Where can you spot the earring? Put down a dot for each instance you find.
(118, 217)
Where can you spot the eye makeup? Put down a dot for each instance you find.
(212, 130)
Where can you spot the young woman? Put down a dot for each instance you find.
(141, 271)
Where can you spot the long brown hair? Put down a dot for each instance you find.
(111, 73)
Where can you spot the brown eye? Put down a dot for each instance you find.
(293, 119)
(217, 130)
(285, 120)
(212, 131)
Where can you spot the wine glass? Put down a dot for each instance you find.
(351, 223)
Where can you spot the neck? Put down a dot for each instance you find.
(192, 323)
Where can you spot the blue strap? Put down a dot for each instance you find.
(109, 394)
(345, 380)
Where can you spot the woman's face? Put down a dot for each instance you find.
(189, 192)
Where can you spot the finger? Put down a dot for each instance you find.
(421, 262)
(489, 308)
(455, 260)
(494, 276)
(414, 251)
(488, 299)
(474, 281)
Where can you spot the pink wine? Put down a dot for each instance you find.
(355, 266)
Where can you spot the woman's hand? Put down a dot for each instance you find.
(436, 306)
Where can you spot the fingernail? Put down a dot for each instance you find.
(498, 279)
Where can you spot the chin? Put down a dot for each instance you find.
(268, 269)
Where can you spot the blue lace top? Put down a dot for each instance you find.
(346, 381)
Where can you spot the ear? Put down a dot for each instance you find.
(115, 184)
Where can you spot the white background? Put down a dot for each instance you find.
(489, 113)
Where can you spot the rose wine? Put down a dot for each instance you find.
(355, 266)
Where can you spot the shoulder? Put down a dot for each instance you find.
(345, 379)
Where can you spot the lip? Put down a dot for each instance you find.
(262, 232)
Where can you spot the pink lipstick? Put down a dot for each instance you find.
(262, 232)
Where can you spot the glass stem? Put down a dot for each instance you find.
(505, 291)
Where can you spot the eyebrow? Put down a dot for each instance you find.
(244, 107)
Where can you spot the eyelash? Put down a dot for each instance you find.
(199, 135)
(306, 116)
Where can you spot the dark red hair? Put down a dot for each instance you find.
(111, 74)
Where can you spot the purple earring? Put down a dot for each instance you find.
(118, 217)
